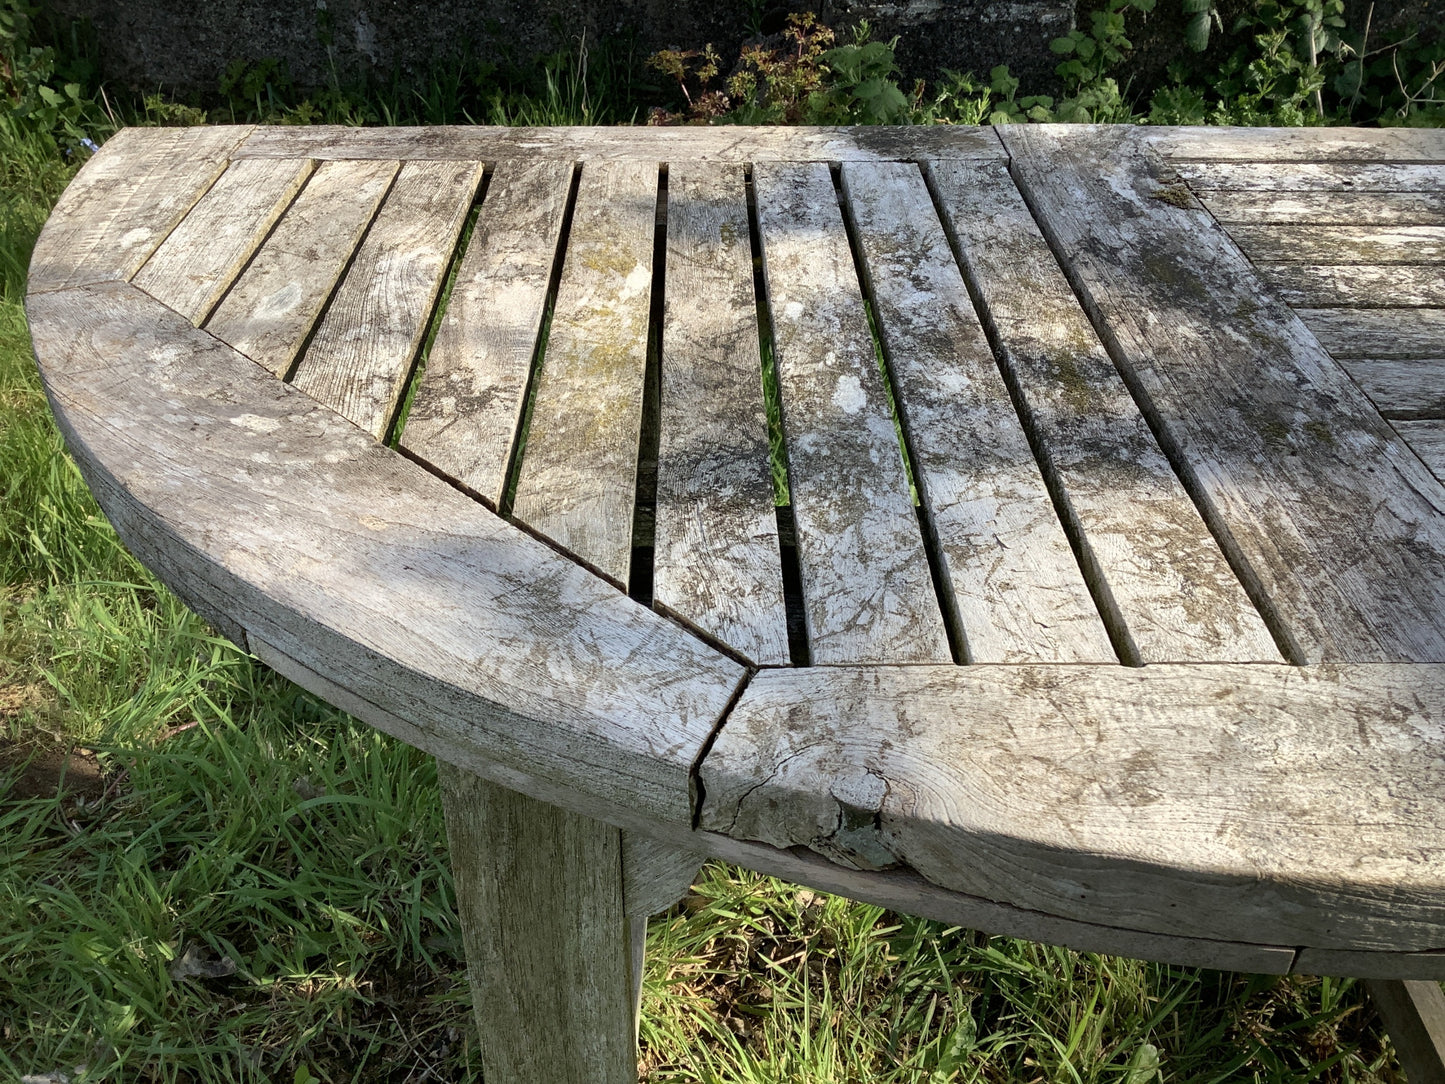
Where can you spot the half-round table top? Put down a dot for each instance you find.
(1017, 527)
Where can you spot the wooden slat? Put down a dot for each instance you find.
(1163, 570)
(1370, 965)
(1427, 439)
(1206, 177)
(466, 413)
(1016, 586)
(716, 560)
(1378, 333)
(578, 476)
(725, 143)
(275, 302)
(1298, 144)
(362, 353)
(196, 263)
(1312, 285)
(1402, 389)
(1414, 1015)
(125, 201)
(1329, 208)
(1270, 433)
(1278, 804)
(488, 646)
(1341, 244)
(867, 590)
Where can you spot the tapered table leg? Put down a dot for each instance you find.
(550, 954)
(1414, 1015)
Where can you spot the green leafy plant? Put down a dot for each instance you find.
(1090, 92)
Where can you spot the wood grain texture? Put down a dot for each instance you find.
(276, 301)
(655, 874)
(368, 570)
(1266, 803)
(1207, 177)
(1298, 144)
(716, 562)
(1329, 208)
(1341, 244)
(1370, 965)
(1379, 333)
(362, 353)
(1402, 389)
(1315, 286)
(1336, 524)
(125, 200)
(1414, 1015)
(467, 410)
(1427, 440)
(867, 589)
(727, 143)
(1016, 587)
(578, 477)
(1142, 535)
(201, 256)
(539, 895)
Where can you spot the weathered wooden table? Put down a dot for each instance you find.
(1103, 602)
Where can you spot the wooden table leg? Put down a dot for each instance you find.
(1414, 1015)
(554, 909)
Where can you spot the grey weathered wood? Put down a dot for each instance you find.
(367, 569)
(727, 143)
(1319, 286)
(276, 301)
(468, 408)
(362, 353)
(1268, 431)
(549, 952)
(1378, 333)
(1267, 803)
(716, 562)
(1427, 439)
(1298, 144)
(1017, 591)
(1149, 552)
(1370, 965)
(1341, 244)
(1329, 208)
(124, 202)
(202, 255)
(578, 476)
(867, 589)
(1206, 177)
(1414, 1015)
(1402, 389)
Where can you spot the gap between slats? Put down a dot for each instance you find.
(644, 508)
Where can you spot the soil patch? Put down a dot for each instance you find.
(30, 771)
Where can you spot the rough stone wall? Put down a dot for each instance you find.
(184, 48)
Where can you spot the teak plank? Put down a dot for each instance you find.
(867, 590)
(1370, 965)
(1144, 542)
(1319, 286)
(724, 143)
(1279, 804)
(362, 353)
(1402, 389)
(1378, 333)
(1207, 177)
(125, 201)
(1298, 144)
(468, 408)
(1017, 589)
(274, 304)
(1341, 244)
(716, 560)
(1414, 1015)
(1329, 208)
(579, 471)
(489, 646)
(1427, 439)
(200, 258)
(1336, 524)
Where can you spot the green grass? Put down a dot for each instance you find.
(214, 813)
